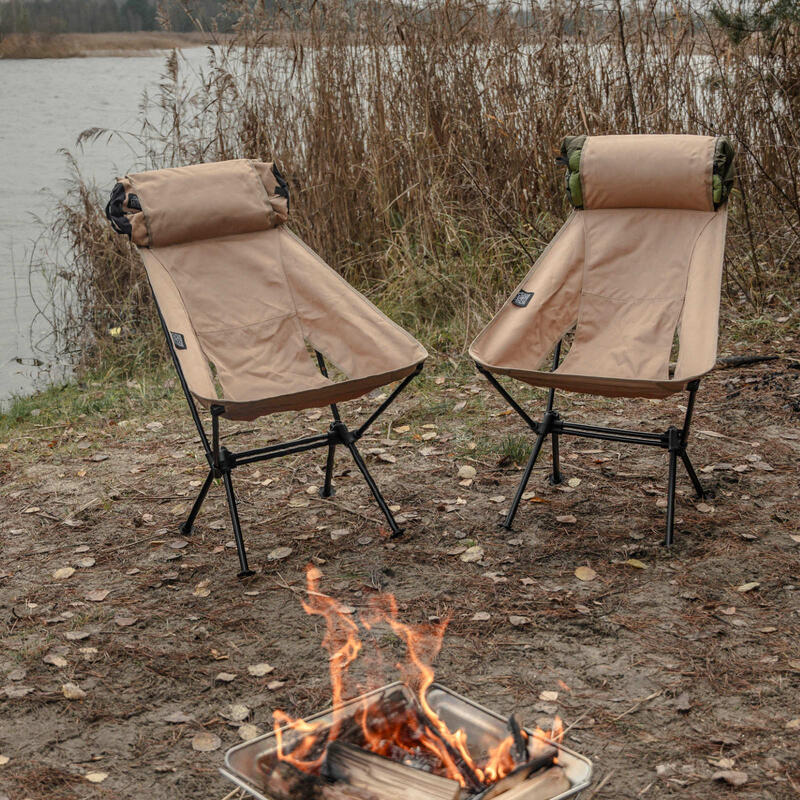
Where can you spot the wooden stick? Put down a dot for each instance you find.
(741, 361)
(519, 775)
(543, 786)
(384, 778)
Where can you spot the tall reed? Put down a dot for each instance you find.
(419, 140)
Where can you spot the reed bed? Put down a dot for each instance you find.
(419, 142)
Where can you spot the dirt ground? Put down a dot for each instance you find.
(669, 666)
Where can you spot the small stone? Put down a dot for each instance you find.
(518, 621)
(481, 616)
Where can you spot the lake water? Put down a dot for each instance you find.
(44, 106)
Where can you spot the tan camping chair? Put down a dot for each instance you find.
(244, 302)
(638, 259)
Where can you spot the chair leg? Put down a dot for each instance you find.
(327, 490)
(376, 492)
(698, 487)
(673, 468)
(555, 477)
(524, 482)
(245, 570)
(186, 528)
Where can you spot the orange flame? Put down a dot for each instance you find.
(404, 734)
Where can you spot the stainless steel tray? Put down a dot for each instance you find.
(484, 729)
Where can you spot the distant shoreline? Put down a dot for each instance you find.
(82, 45)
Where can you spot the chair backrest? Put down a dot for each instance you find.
(239, 290)
(641, 256)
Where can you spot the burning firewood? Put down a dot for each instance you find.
(285, 782)
(519, 775)
(387, 780)
(544, 786)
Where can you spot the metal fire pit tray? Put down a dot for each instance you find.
(484, 729)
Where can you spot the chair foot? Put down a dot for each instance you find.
(323, 493)
(398, 533)
(555, 480)
(505, 526)
(185, 529)
(245, 573)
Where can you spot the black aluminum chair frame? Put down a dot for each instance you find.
(674, 440)
(222, 462)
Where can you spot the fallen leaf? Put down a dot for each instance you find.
(4, 760)
(567, 519)
(481, 616)
(206, 742)
(474, 553)
(279, 553)
(85, 563)
(125, 622)
(585, 574)
(387, 457)
(704, 508)
(236, 712)
(467, 471)
(97, 595)
(734, 777)
(178, 718)
(683, 703)
(634, 562)
(518, 621)
(573, 482)
(15, 691)
(339, 533)
(748, 587)
(273, 685)
(31, 510)
(259, 670)
(63, 573)
(794, 664)
(548, 697)
(55, 660)
(72, 691)
(99, 457)
(76, 636)
(19, 674)
(248, 731)
(498, 498)
(402, 429)
(225, 677)
(96, 777)
(793, 725)
(202, 589)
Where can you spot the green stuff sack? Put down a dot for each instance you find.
(724, 172)
(571, 156)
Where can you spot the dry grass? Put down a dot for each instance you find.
(79, 45)
(420, 141)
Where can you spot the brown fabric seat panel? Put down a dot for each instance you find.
(635, 272)
(309, 398)
(254, 301)
(592, 384)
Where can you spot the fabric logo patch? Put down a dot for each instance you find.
(522, 299)
(178, 340)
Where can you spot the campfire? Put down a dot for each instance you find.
(412, 739)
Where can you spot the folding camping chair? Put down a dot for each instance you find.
(639, 258)
(243, 302)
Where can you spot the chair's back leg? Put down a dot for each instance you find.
(673, 465)
(327, 490)
(555, 476)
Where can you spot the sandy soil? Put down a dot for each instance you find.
(668, 668)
